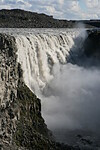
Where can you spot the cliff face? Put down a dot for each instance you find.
(92, 44)
(8, 86)
(21, 123)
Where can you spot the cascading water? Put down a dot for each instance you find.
(43, 57)
(39, 53)
(69, 92)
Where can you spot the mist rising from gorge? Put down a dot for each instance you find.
(71, 100)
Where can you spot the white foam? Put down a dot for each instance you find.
(38, 53)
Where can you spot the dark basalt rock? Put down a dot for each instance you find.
(24, 19)
(92, 44)
(17, 18)
(31, 132)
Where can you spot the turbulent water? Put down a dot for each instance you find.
(69, 92)
(39, 53)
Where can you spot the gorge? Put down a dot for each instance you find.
(62, 69)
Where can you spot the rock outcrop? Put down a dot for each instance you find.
(8, 88)
(92, 44)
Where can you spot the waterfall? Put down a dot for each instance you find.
(51, 61)
(67, 83)
(39, 53)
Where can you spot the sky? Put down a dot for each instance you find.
(62, 9)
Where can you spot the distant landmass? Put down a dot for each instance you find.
(17, 18)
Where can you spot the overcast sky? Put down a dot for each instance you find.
(63, 9)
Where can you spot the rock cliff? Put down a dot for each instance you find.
(92, 44)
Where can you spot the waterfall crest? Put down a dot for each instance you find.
(39, 53)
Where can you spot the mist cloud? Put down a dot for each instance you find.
(72, 100)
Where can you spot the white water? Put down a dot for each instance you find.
(39, 53)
